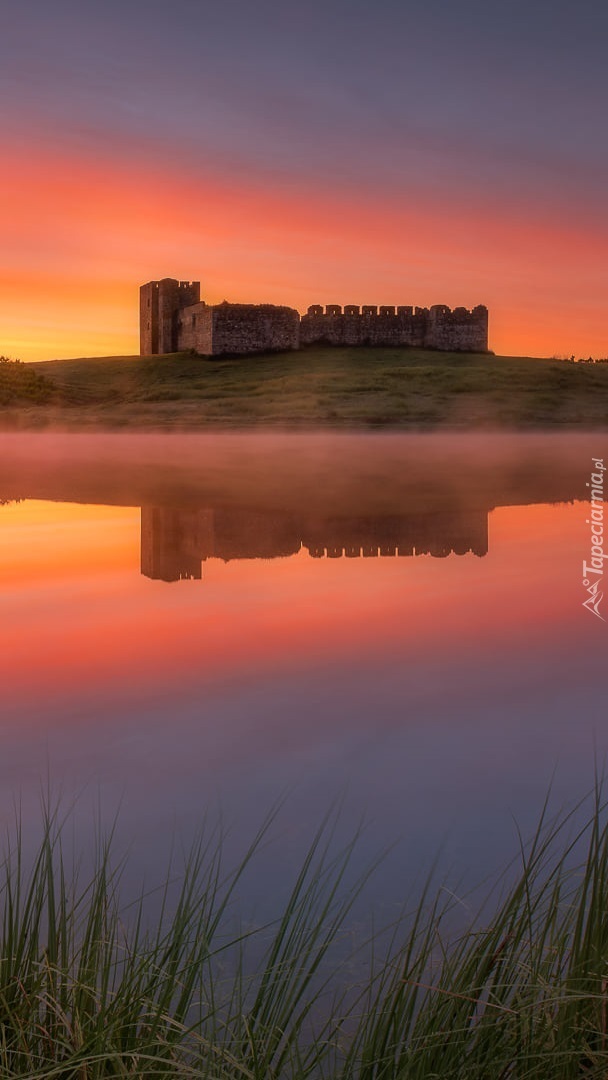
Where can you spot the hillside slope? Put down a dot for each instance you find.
(370, 387)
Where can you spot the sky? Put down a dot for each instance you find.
(318, 677)
(338, 151)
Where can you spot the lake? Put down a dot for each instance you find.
(198, 623)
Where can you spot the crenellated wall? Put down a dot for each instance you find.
(439, 534)
(176, 540)
(173, 318)
(439, 327)
(459, 330)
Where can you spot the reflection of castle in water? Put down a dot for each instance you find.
(176, 541)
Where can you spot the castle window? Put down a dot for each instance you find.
(148, 301)
(194, 320)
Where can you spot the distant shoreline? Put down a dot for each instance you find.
(321, 387)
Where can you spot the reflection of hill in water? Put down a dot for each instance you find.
(324, 475)
(176, 541)
(236, 496)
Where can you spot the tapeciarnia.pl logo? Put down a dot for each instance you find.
(593, 571)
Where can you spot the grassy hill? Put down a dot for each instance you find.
(22, 384)
(370, 387)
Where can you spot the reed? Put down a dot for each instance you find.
(91, 988)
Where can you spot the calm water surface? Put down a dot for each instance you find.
(193, 622)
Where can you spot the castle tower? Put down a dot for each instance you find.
(174, 541)
(159, 305)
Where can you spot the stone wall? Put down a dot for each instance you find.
(459, 330)
(175, 540)
(172, 541)
(195, 329)
(437, 534)
(237, 329)
(438, 328)
(250, 328)
(364, 328)
(159, 305)
(172, 319)
(148, 318)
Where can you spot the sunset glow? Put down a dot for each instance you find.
(223, 620)
(119, 628)
(265, 192)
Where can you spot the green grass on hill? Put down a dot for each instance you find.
(370, 387)
(22, 384)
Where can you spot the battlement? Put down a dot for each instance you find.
(175, 541)
(438, 327)
(173, 318)
(159, 304)
(437, 311)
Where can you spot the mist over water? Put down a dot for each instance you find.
(195, 622)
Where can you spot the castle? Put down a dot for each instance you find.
(173, 318)
(177, 540)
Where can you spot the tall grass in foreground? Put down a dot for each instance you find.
(89, 989)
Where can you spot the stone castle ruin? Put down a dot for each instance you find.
(176, 541)
(173, 318)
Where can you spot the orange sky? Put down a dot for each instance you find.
(118, 629)
(80, 234)
(330, 152)
(380, 678)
